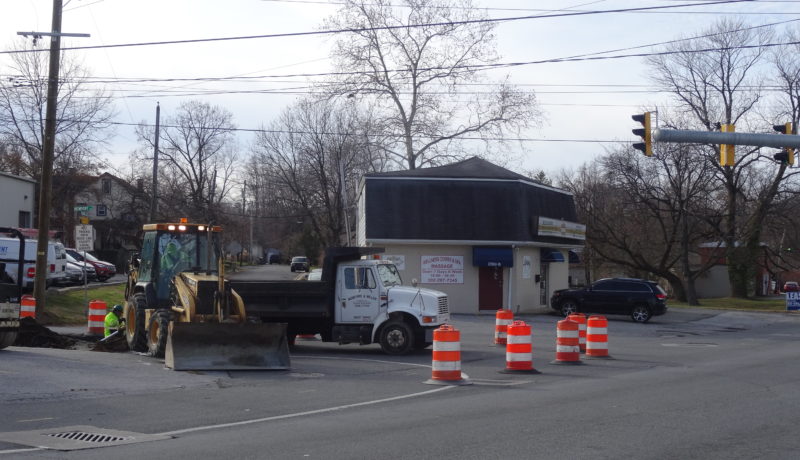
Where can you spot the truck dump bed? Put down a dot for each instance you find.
(274, 300)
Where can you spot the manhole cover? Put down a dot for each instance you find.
(77, 437)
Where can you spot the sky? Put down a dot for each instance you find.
(587, 105)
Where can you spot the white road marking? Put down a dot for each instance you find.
(302, 414)
(428, 366)
(36, 419)
(17, 451)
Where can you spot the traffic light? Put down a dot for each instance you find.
(644, 133)
(785, 128)
(727, 152)
(781, 156)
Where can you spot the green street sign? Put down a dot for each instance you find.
(83, 208)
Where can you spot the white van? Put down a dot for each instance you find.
(56, 260)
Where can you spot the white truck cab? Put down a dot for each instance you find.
(370, 291)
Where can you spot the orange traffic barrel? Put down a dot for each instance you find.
(502, 319)
(597, 337)
(567, 349)
(580, 318)
(519, 350)
(96, 317)
(446, 366)
(27, 306)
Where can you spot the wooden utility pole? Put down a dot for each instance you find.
(45, 184)
(154, 203)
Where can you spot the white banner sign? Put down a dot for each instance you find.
(442, 270)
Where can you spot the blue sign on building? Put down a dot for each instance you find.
(793, 301)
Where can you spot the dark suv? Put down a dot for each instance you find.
(641, 299)
(299, 263)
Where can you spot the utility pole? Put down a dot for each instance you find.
(48, 152)
(154, 203)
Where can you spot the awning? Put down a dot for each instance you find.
(551, 255)
(574, 258)
(492, 257)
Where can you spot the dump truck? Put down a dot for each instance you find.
(180, 306)
(359, 299)
(10, 290)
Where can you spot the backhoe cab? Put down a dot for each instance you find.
(179, 305)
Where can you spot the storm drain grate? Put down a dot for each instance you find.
(89, 437)
(77, 437)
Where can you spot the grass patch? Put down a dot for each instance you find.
(69, 309)
(731, 303)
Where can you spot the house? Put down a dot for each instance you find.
(488, 237)
(114, 208)
(18, 205)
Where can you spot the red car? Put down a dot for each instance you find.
(105, 270)
(791, 286)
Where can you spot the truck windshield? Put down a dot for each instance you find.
(177, 252)
(389, 275)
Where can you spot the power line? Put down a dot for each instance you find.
(367, 29)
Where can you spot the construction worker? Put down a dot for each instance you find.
(113, 320)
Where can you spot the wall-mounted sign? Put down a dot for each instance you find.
(442, 270)
(398, 260)
(561, 228)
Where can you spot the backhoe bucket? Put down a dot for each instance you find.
(226, 346)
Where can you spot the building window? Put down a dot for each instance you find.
(24, 219)
(106, 186)
(101, 210)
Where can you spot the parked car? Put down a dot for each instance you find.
(74, 274)
(641, 299)
(104, 270)
(299, 263)
(91, 273)
(315, 274)
(791, 286)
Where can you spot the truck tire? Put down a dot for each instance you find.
(157, 333)
(7, 339)
(396, 338)
(134, 322)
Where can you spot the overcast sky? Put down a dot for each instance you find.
(587, 104)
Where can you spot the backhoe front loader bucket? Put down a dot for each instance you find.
(227, 346)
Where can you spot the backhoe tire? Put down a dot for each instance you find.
(396, 338)
(7, 339)
(157, 333)
(134, 322)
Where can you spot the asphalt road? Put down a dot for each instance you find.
(690, 384)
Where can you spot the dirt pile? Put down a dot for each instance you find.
(33, 334)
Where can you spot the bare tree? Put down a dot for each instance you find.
(408, 59)
(716, 79)
(312, 159)
(84, 118)
(197, 158)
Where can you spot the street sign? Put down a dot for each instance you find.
(83, 208)
(84, 237)
(793, 301)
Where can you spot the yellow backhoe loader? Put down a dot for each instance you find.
(179, 305)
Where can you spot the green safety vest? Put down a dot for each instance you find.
(111, 323)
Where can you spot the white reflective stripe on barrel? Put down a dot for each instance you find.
(446, 365)
(519, 356)
(568, 349)
(515, 339)
(446, 346)
(597, 331)
(568, 334)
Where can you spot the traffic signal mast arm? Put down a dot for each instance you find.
(713, 137)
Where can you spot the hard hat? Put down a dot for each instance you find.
(117, 308)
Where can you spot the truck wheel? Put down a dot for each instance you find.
(641, 314)
(134, 323)
(157, 334)
(7, 339)
(568, 307)
(397, 338)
